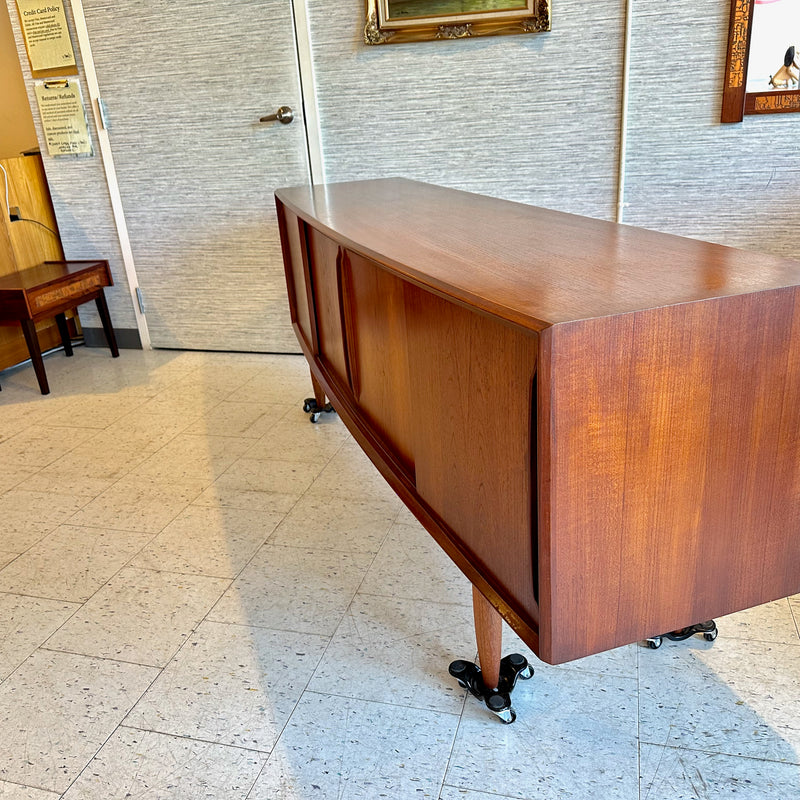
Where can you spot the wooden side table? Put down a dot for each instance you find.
(48, 290)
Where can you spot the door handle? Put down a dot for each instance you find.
(284, 115)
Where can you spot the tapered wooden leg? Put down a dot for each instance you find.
(32, 340)
(319, 392)
(61, 321)
(489, 635)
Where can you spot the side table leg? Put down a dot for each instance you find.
(32, 340)
(61, 321)
(105, 318)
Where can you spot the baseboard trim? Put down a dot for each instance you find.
(127, 338)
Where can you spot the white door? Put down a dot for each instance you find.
(185, 85)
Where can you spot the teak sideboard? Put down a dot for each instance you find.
(599, 424)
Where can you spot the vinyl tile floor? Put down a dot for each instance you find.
(202, 595)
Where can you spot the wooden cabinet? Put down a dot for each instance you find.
(599, 424)
(25, 244)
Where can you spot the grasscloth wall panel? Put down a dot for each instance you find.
(686, 173)
(80, 198)
(533, 118)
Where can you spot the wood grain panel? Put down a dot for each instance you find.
(293, 243)
(672, 492)
(471, 379)
(377, 312)
(27, 189)
(24, 244)
(324, 262)
(520, 262)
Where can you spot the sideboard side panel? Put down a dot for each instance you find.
(673, 469)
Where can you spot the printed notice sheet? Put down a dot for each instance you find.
(63, 117)
(44, 26)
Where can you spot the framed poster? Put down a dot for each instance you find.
(761, 72)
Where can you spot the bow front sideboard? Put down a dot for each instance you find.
(599, 424)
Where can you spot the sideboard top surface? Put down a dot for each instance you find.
(535, 267)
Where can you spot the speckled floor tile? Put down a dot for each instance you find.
(141, 764)
(188, 457)
(410, 564)
(250, 420)
(348, 525)
(140, 616)
(208, 541)
(288, 588)
(575, 736)
(143, 431)
(231, 684)
(454, 793)
(15, 791)
(771, 622)
(351, 474)
(57, 709)
(677, 774)
(397, 651)
(336, 748)
(28, 516)
(794, 606)
(26, 622)
(175, 400)
(713, 697)
(69, 478)
(138, 504)
(40, 446)
(622, 661)
(7, 558)
(9, 478)
(278, 387)
(96, 410)
(300, 441)
(71, 563)
(268, 485)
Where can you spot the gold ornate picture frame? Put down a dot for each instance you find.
(753, 31)
(397, 21)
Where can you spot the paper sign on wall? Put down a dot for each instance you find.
(63, 117)
(44, 26)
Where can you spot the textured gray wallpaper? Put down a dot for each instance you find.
(533, 118)
(80, 198)
(686, 173)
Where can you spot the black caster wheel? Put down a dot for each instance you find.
(315, 415)
(308, 404)
(709, 636)
(654, 643)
